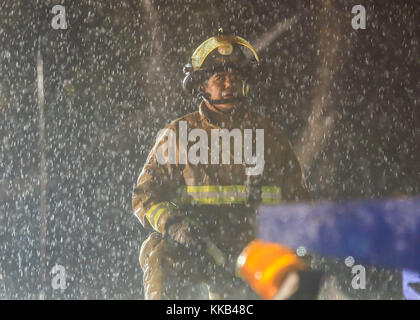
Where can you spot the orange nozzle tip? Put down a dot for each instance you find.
(264, 265)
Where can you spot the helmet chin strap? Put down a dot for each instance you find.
(213, 103)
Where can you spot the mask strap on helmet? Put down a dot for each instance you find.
(209, 101)
(213, 103)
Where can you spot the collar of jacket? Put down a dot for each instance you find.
(235, 119)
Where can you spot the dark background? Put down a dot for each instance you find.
(348, 99)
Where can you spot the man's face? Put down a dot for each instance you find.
(224, 85)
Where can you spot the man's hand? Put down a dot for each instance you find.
(184, 233)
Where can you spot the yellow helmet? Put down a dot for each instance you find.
(220, 52)
(227, 51)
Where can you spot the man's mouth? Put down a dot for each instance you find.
(227, 95)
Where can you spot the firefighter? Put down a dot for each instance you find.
(202, 213)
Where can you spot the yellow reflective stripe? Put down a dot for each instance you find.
(271, 189)
(154, 213)
(218, 200)
(150, 211)
(219, 195)
(271, 195)
(156, 219)
(271, 201)
(238, 188)
(232, 194)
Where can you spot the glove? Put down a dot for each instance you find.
(180, 230)
(187, 232)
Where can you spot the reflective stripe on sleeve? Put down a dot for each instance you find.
(156, 212)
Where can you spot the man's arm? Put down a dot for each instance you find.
(156, 188)
(159, 187)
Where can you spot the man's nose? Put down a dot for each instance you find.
(228, 81)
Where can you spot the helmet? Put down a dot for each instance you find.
(220, 52)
